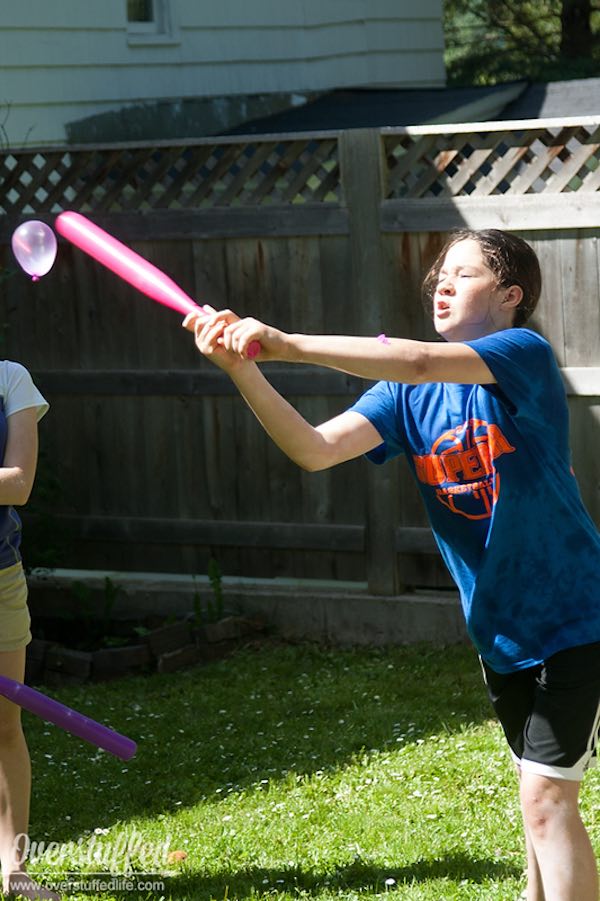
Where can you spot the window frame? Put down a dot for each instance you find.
(162, 30)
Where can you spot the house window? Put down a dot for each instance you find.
(147, 16)
(150, 21)
(140, 11)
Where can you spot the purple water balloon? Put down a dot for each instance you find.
(34, 245)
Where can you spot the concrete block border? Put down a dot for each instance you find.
(337, 613)
(165, 649)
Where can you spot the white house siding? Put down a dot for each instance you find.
(67, 60)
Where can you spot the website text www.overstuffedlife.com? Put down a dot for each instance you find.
(153, 884)
(96, 863)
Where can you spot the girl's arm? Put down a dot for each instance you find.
(20, 458)
(394, 359)
(313, 448)
(224, 338)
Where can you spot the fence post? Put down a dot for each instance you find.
(363, 173)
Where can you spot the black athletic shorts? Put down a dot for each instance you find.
(550, 713)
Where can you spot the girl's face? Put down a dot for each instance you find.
(468, 303)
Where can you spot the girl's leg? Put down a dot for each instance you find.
(15, 789)
(560, 842)
(535, 889)
(550, 715)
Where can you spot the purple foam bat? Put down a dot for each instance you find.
(67, 718)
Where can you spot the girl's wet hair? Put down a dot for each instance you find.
(510, 258)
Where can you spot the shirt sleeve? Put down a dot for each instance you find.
(528, 379)
(18, 390)
(379, 405)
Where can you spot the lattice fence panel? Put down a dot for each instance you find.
(142, 179)
(483, 163)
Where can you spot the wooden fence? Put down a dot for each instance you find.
(150, 461)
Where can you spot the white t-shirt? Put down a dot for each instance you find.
(18, 391)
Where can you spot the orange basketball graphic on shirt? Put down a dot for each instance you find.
(461, 467)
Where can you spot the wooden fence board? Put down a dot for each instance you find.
(549, 316)
(361, 158)
(579, 257)
(510, 212)
(585, 427)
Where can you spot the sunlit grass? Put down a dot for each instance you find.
(291, 772)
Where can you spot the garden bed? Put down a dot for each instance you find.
(61, 657)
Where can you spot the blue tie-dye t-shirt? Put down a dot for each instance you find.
(493, 465)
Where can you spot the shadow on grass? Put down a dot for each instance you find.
(243, 723)
(361, 876)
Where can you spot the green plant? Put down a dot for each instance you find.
(212, 610)
(215, 578)
(488, 41)
(141, 631)
(111, 594)
(95, 621)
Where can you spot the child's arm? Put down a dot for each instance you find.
(17, 472)
(394, 360)
(313, 448)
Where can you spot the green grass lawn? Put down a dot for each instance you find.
(289, 772)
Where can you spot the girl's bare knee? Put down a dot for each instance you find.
(546, 802)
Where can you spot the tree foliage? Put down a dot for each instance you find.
(490, 41)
